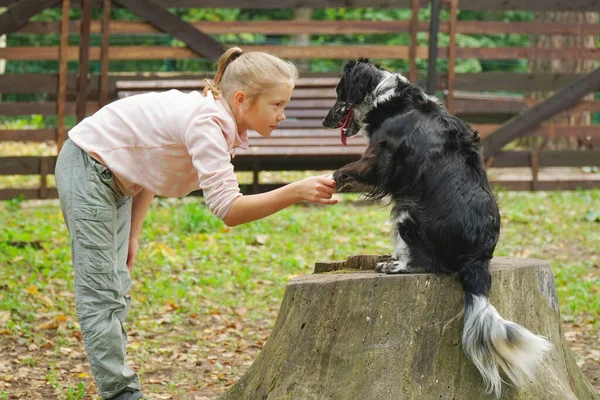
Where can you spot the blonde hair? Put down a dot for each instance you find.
(254, 73)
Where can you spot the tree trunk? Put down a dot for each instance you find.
(356, 334)
(563, 67)
(302, 39)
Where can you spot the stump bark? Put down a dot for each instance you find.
(347, 332)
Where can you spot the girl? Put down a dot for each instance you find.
(165, 144)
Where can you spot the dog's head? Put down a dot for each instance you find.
(354, 97)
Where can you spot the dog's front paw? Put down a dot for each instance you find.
(392, 267)
(342, 181)
(336, 176)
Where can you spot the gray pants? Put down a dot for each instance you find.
(98, 217)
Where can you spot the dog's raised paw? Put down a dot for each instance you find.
(392, 267)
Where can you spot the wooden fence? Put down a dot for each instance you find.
(469, 95)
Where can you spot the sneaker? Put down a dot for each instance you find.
(130, 394)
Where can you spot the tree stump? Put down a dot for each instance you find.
(347, 332)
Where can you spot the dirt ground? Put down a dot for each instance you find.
(185, 371)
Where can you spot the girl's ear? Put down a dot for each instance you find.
(239, 97)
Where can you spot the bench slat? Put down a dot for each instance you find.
(297, 93)
(306, 103)
(302, 123)
(198, 84)
(304, 142)
(290, 133)
(300, 150)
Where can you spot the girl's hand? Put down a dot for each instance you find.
(132, 254)
(317, 189)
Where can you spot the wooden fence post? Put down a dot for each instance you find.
(412, 51)
(434, 27)
(61, 132)
(84, 58)
(104, 55)
(451, 55)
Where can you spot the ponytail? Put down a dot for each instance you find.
(253, 72)
(226, 58)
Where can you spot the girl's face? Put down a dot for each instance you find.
(267, 111)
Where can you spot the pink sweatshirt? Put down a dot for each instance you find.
(169, 143)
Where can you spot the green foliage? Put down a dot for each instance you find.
(77, 393)
(33, 122)
(592, 216)
(14, 204)
(194, 218)
(507, 16)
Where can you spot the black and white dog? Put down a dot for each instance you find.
(445, 216)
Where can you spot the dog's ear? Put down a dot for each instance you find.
(363, 60)
(348, 66)
(360, 82)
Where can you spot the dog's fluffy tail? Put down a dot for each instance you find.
(493, 343)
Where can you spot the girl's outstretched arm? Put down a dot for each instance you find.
(316, 189)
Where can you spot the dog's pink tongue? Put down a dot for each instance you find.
(345, 126)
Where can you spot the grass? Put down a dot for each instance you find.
(203, 291)
(555, 227)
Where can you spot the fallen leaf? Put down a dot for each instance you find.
(241, 345)
(571, 336)
(31, 289)
(61, 318)
(4, 317)
(23, 372)
(594, 355)
(260, 239)
(46, 300)
(65, 350)
(134, 345)
(46, 325)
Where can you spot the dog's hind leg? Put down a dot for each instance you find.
(393, 267)
(401, 255)
(400, 258)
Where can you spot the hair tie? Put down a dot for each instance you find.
(231, 59)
